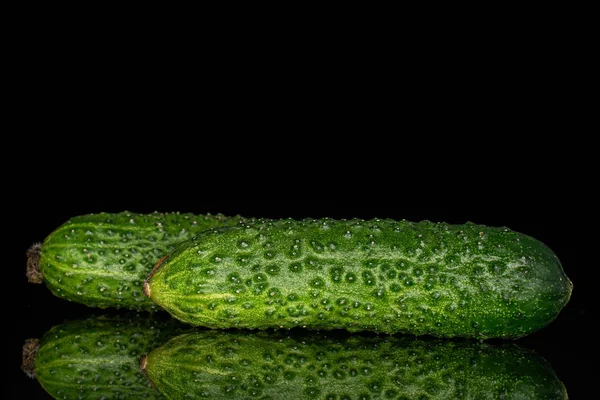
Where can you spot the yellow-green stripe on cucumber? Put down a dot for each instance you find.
(445, 280)
(101, 259)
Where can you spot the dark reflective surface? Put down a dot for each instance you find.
(337, 365)
(99, 356)
(566, 344)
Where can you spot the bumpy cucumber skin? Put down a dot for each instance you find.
(382, 275)
(101, 260)
(272, 365)
(98, 357)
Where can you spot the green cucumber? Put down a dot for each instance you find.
(101, 260)
(273, 365)
(382, 275)
(98, 357)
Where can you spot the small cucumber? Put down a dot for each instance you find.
(98, 357)
(389, 276)
(101, 260)
(274, 365)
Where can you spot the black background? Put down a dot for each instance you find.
(491, 148)
(170, 173)
(486, 128)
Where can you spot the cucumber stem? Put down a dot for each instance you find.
(33, 273)
(143, 364)
(30, 349)
(146, 285)
(146, 288)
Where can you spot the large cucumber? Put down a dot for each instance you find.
(101, 259)
(273, 365)
(98, 357)
(384, 275)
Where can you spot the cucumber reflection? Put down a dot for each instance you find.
(312, 365)
(100, 357)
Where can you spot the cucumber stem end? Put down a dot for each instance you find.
(146, 285)
(146, 288)
(33, 272)
(143, 364)
(30, 349)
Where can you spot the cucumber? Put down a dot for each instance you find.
(390, 276)
(98, 357)
(101, 260)
(273, 365)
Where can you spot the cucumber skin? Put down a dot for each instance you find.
(98, 357)
(273, 365)
(101, 260)
(382, 275)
